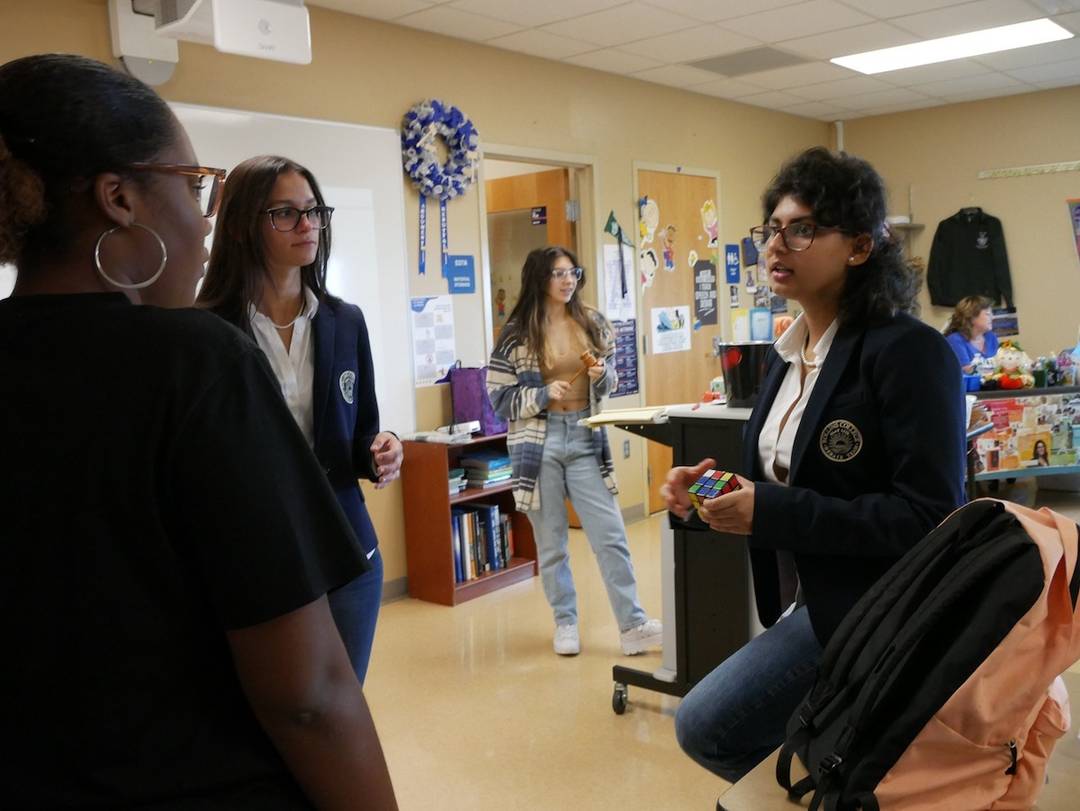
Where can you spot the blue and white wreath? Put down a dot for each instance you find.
(422, 125)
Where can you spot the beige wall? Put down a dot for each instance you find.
(939, 151)
(371, 73)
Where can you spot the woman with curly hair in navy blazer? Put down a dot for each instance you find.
(267, 276)
(853, 453)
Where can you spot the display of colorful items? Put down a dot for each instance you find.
(1011, 368)
(711, 484)
(1038, 430)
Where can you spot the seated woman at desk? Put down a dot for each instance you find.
(969, 331)
(536, 379)
(854, 451)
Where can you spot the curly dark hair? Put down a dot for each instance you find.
(846, 192)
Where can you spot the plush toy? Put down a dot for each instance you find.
(1012, 368)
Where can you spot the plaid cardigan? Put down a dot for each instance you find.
(518, 393)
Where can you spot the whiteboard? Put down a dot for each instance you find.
(359, 172)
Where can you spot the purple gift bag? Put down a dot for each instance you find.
(469, 399)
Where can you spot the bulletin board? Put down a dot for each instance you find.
(359, 172)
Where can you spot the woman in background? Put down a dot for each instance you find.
(168, 537)
(267, 277)
(970, 331)
(534, 382)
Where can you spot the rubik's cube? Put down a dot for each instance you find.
(712, 484)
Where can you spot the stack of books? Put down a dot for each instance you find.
(482, 540)
(457, 480)
(486, 468)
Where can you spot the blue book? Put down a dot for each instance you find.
(455, 543)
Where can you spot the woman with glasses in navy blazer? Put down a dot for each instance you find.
(854, 450)
(267, 276)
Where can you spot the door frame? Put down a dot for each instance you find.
(722, 314)
(587, 183)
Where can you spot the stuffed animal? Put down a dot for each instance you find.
(1012, 368)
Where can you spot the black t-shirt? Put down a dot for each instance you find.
(155, 492)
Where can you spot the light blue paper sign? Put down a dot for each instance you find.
(461, 274)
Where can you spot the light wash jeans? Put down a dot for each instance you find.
(570, 467)
(737, 715)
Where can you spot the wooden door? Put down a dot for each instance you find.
(680, 233)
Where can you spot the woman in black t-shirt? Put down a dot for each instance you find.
(169, 538)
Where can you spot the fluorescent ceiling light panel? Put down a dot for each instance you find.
(960, 46)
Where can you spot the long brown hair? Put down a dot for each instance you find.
(526, 321)
(967, 310)
(236, 271)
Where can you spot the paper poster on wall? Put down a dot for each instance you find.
(731, 264)
(626, 357)
(740, 324)
(710, 222)
(648, 220)
(749, 252)
(733, 296)
(670, 329)
(669, 248)
(461, 274)
(433, 337)
(1074, 218)
(619, 307)
(1005, 323)
(778, 305)
(648, 263)
(705, 292)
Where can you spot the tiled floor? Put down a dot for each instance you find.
(476, 712)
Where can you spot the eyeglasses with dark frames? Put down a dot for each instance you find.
(208, 195)
(560, 273)
(287, 218)
(796, 236)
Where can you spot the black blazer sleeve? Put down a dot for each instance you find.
(367, 415)
(915, 387)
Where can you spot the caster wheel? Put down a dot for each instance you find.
(618, 699)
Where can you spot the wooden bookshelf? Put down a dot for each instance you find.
(427, 501)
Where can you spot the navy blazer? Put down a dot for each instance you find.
(878, 461)
(345, 409)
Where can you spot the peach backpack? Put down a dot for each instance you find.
(941, 688)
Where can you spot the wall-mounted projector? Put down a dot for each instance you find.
(267, 29)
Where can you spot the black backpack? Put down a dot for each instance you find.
(911, 641)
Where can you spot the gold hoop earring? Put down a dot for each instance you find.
(131, 285)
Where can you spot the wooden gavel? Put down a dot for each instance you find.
(587, 358)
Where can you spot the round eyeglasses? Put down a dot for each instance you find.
(796, 236)
(562, 273)
(286, 218)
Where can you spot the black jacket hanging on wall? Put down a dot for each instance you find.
(968, 258)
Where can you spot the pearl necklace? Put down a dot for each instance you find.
(297, 318)
(810, 364)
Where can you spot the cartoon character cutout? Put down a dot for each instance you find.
(711, 223)
(669, 248)
(648, 263)
(648, 219)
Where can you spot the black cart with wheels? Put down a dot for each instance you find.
(713, 596)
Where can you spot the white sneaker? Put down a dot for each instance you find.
(640, 639)
(567, 641)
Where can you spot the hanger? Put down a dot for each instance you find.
(971, 210)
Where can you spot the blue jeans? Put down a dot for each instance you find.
(737, 715)
(570, 467)
(355, 607)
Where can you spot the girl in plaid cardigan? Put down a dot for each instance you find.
(535, 382)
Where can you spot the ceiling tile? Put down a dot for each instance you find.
(968, 84)
(896, 108)
(456, 23)
(891, 8)
(376, 9)
(774, 99)
(1057, 6)
(825, 110)
(967, 17)
(613, 60)
(530, 13)
(1070, 21)
(1055, 71)
(729, 88)
(710, 11)
(541, 43)
(939, 72)
(805, 19)
(978, 95)
(885, 98)
(840, 89)
(854, 40)
(617, 26)
(690, 44)
(798, 75)
(676, 75)
(1052, 83)
(1034, 55)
